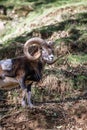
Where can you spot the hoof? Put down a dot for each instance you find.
(31, 105)
(23, 103)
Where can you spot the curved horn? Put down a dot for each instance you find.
(33, 42)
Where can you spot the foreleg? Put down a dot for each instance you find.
(24, 88)
(29, 96)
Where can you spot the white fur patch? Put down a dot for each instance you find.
(6, 64)
(10, 80)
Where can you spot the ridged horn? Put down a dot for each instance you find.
(38, 42)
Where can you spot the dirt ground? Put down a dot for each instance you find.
(67, 114)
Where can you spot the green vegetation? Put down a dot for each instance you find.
(65, 22)
(61, 96)
(77, 59)
(41, 9)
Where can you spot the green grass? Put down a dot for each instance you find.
(41, 9)
(40, 3)
(80, 82)
(75, 24)
(77, 59)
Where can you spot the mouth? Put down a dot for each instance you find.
(51, 61)
(48, 59)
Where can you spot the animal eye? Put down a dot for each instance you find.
(44, 50)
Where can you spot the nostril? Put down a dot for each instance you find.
(52, 56)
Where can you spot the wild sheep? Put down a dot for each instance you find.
(28, 67)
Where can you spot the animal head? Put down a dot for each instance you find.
(43, 49)
(48, 52)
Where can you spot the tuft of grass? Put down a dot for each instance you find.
(80, 82)
(77, 59)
